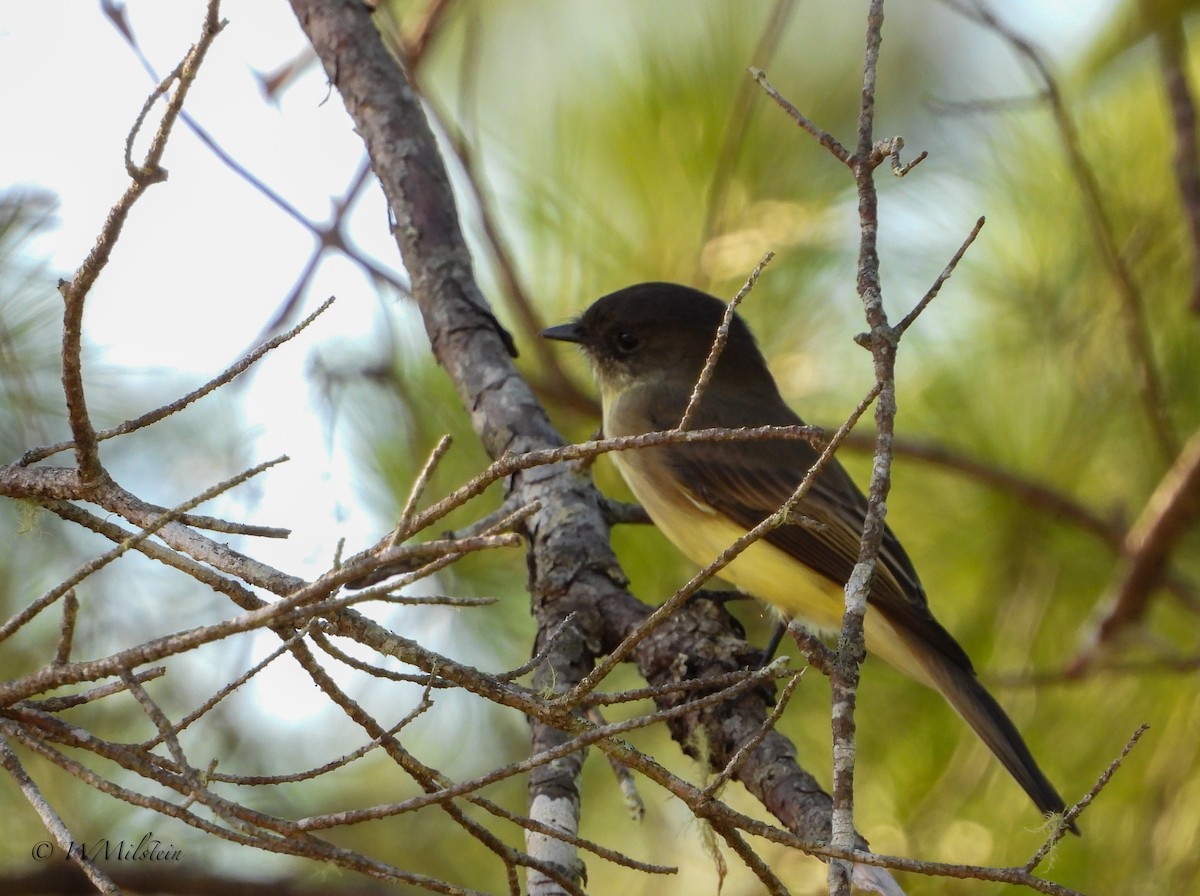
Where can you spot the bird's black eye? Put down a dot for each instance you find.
(626, 341)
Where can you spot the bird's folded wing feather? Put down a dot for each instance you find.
(748, 481)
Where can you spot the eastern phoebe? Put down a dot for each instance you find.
(647, 345)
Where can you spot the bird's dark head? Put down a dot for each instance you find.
(657, 332)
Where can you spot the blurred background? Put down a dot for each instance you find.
(595, 145)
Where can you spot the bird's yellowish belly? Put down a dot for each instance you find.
(702, 534)
(761, 570)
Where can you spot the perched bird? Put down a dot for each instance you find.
(647, 345)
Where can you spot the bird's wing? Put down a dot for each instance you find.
(748, 481)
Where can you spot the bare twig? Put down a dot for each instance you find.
(891, 149)
(537, 659)
(718, 344)
(66, 630)
(1075, 811)
(708, 682)
(327, 236)
(882, 342)
(941, 279)
(75, 291)
(58, 704)
(53, 823)
(154, 525)
(227, 375)
(818, 655)
(167, 734)
(430, 780)
(585, 734)
(514, 463)
(714, 786)
(625, 780)
(418, 489)
(318, 771)
(296, 843)
(326, 645)
(228, 689)
(825, 138)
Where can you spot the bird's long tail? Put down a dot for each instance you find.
(971, 700)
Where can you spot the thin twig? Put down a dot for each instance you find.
(166, 734)
(319, 638)
(75, 291)
(1075, 811)
(892, 149)
(17, 621)
(58, 704)
(818, 655)
(751, 744)
(401, 531)
(931, 294)
(66, 629)
(208, 705)
(227, 375)
(341, 762)
(499, 521)
(770, 880)
(585, 734)
(625, 780)
(429, 779)
(718, 344)
(825, 138)
(52, 822)
(295, 843)
(538, 658)
(607, 698)
(882, 341)
(514, 463)
(408, 558)
(326, 236)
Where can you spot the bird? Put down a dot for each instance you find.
(647, 345)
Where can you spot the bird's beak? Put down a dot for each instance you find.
(565, 333)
